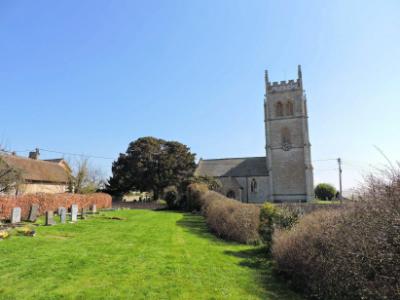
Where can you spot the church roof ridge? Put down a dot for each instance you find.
(231, 158)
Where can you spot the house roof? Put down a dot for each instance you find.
(39, 170)
(232, 167)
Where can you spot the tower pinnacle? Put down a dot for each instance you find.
(299, 72)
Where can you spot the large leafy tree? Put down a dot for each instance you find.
(151, 164)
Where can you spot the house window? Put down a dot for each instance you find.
(279, 109)
(289, 108)
(253, 186)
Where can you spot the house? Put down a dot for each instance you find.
(40, 176)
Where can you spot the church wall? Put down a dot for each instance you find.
(259, 196)
(227, 185)
(289, 172)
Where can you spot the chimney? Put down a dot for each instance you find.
(34, 154)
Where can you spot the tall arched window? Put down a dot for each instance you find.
(286, 136)
(279, 109)
(253, 186)
(289, 108)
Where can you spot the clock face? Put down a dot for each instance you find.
(286, 146)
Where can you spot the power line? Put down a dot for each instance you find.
(14, 151)
(76, 154)
(327, 159)
(59, 152)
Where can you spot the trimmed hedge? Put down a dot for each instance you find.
(348, 253)
(195, 193)
(226, 218)
(51, 202)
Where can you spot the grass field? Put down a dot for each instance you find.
(148, 255)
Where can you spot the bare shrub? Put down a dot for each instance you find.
(347, 253)
(10, 177)
(85, 179)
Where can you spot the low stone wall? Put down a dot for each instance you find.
(51, 202)
(155, 205)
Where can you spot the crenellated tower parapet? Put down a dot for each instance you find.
(283, 86)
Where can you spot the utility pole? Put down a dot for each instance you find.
(339, 160)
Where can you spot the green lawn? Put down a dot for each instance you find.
(148, 255)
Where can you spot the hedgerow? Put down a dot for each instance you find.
(228, 219)
(347, 253)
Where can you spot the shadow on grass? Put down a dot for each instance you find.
(195, 224)
(255, 258)
(258, 259)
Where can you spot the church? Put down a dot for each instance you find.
(285, 174)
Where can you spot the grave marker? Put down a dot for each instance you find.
(62, 212)
(74, 212)
(33, 213)
(94, 209)
(50, 218)
(16, 215)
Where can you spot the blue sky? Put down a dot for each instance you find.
(91, 76)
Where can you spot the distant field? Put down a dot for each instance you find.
(148, 255)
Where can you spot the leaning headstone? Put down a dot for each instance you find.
(74, 212)
(94, 209)
(83, 214)
(33, 213)
(50, 218)
(62, 212)
(16, 215)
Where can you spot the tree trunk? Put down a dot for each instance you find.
(156, 194)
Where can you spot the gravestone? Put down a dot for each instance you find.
(33, 213)
(50, 218)
(83, 214)
(94, 208)
(62, 212)
(59, 210)
(74, 212)
(16, 215)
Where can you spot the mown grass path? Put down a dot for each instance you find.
(148, 255)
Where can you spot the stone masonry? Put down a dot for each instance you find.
(285, 174)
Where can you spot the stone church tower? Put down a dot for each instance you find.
(288, 148)
(285, 174)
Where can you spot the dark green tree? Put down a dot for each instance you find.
(151, 164)
(325, 191)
